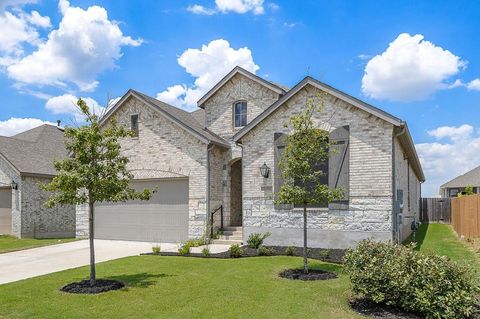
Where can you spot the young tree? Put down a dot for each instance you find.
(95, 171)
(306, 148)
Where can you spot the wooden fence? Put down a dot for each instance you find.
(466, 215)
(435, 210)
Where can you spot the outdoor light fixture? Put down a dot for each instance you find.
(265, 170)
(14, 185)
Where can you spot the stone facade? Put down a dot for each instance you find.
(370, 182)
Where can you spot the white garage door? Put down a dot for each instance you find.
(164, 218)
(5, 211)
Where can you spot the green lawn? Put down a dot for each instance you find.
(182, 287)
(10, 243)
(442, 240)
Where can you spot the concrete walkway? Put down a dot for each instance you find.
(34, 262)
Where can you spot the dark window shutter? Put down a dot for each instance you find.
(279, 142)
(339, 165)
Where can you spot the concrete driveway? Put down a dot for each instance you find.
(34, 262)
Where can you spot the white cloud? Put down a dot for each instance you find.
(455, 151)
(474, 85)
(226, 6)
(290, 24)
(85, 44)
(67, 104)
(364, 56)
(34, 18)
(15, 125)
(410, 69)
(208, 65)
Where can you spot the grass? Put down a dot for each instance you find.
(183, 287)
(10, 243)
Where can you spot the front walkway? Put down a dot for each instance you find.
(34, 262)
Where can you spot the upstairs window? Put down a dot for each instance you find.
(134, 124)
(240, 114)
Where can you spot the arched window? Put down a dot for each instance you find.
(240, 114)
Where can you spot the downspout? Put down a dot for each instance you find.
(394, 186)
(207, 204)
(241, 177)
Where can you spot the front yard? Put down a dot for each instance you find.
(10, 243)
(184, 287)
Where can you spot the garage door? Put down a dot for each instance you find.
(164, 218)
(5, 211)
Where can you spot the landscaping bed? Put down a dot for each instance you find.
(101, 285)
(373, 310)
(328, 255)
(298, 274)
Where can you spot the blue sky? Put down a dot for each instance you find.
(418, 60)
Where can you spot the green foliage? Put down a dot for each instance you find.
(397, 275)
(306, 147)
(255, 240)
(468, 190)
(184, 250)
(323, 253)
(235, 251)
(265, 251)
(206, 251)
(156, 249)
(289, 251)
(195, 242)
(95, 171)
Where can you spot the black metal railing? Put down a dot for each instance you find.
(212, 221)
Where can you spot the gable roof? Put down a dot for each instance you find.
(403, 135)
(32, 152)
(471, 178)
(239, 70)
(178, 116)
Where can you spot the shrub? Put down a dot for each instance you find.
(255, 240)
(265, 251)
(206, 251)
(289, 251)
(156, 249)
(323, 254)
(184, 250)
(235, 251)
(396, 275)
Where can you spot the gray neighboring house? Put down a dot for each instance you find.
(458, 184)
(26, 159)
(211, 158)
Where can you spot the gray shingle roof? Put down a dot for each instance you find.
(470, 178)
(199, 116)
(33, 151)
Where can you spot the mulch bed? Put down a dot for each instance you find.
(313, 274)
(328, 255)
(101, 285)
(373, 310)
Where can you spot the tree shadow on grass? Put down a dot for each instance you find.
(324, 266)
(140, 280)
(420, 235)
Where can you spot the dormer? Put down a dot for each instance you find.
(236, 100)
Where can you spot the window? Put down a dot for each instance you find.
(134, 124)
(240, 114)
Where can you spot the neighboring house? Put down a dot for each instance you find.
(458, 184)
(26, 159)
(212, 157)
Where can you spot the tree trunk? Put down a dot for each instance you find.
(92, 248)
(305, 253)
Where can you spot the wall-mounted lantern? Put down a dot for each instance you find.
(14, 185)
(265, 170)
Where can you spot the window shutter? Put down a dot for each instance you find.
(279, 142)
(339, 165)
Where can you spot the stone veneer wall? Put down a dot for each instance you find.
(162, 150)
(411, 195)
(370, 206)
(219, 107)
(39, 221)
(7, 175)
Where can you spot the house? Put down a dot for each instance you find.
(458, 184)
(26, 159)
(206, 165)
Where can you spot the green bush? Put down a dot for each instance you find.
(156, 249)
(255, 240)
(289, 251)
(184, 250)
(235, 251)
(396, 275)
(206, 251)
(264, 251)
